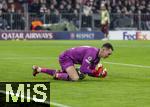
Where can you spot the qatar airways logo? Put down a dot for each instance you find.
(26, 35)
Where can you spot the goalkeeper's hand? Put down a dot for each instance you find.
(103, 74)
(100, 72)
(81, 75)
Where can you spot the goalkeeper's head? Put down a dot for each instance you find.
(106, 50)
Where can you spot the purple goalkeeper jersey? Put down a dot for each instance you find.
(86, 56)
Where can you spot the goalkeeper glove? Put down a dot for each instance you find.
(102, 73)
(81, 75)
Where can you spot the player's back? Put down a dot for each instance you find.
(77, 54)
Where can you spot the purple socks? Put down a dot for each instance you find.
(48, 71)
(58, 75)
(62, 76)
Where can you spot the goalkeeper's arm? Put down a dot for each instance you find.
(99, 73)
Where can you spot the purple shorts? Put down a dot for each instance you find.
(65, 61)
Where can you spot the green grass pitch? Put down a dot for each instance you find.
(125, 86)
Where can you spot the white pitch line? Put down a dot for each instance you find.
(58, 105)
(51, 103)
(12, 58)
(131, 65)
(40, 58)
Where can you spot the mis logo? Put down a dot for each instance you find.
(24, 93)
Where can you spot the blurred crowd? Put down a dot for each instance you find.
(129, 6)
(55, 8)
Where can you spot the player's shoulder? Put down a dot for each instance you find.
(87, 49)
(93, 49)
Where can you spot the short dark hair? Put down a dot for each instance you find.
(108, 45)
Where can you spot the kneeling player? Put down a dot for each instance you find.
(88, 57)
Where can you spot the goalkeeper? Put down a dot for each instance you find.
(88, 57)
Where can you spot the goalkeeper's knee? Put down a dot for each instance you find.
(74, 79)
